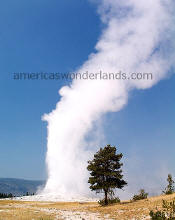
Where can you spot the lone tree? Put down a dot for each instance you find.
(105, 171)
(170, 188)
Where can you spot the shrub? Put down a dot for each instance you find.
(157, 215)
(141, 195)
(110, 201)
(168, 212)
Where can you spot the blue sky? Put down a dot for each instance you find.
(58, 36)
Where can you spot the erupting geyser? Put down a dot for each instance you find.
(137, 37)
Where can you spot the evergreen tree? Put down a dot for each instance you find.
(170, 188)
(105, 171)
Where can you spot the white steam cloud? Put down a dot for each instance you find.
(137, 37)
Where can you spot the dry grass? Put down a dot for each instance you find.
(20, 210)
(13, 210)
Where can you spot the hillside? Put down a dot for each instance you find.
(19, 186)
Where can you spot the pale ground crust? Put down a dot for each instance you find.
(37, 210)
(55, 198)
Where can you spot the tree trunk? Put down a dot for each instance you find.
(106, 197)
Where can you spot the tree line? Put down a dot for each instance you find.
(6, 195)
(10, 195)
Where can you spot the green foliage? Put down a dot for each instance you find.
(168, 212)
(105, 171)
(157, 215)
(45, 218)
(29, 194)
(170, 188)
(4, 195)
(110, 201)
(142, 195)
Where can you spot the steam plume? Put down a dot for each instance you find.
(137, 37)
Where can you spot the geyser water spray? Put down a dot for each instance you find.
(137, 37)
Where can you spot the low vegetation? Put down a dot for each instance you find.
(110, 201)
(142, 195)
(167, 212)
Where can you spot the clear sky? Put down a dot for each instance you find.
(58, 36)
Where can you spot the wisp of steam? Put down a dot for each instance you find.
(137, 36)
